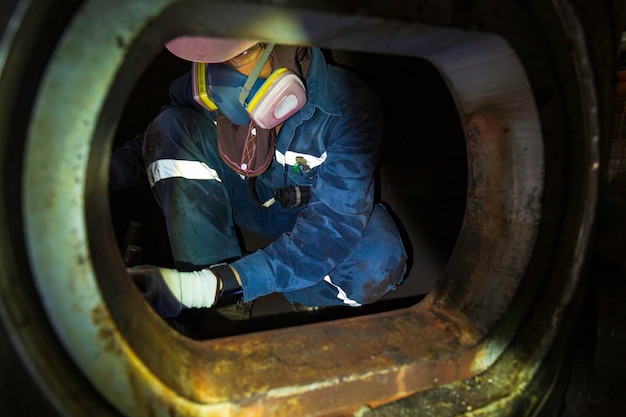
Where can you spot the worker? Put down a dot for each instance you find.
(275, 140)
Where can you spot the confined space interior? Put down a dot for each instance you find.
(484, 207)
(422, 176)
(422, 179)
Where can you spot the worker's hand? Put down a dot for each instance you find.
(151, 284)
(169, 291)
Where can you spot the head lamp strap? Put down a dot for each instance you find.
(254, 75)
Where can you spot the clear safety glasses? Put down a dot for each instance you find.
(246, 57)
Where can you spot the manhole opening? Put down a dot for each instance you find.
(422, 179)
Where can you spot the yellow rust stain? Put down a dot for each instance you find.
(107, 331)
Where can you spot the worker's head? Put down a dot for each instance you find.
(238, 79)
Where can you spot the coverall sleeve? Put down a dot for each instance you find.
(328, 229)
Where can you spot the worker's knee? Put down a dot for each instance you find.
(180, 133)
(378, 263)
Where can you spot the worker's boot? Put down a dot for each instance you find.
(237, 311)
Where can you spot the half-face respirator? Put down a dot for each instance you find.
(266, 101)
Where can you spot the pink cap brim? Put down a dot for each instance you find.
(209, 50)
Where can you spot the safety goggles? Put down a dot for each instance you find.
(246, 57)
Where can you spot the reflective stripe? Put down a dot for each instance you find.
(290, 158)
(341, 294)
(177, 168)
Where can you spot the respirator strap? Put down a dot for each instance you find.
(254, 75)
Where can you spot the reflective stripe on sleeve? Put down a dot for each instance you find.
(162, 169)
(341, 294)
(289, 158)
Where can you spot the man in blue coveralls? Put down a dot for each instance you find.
(274, 139)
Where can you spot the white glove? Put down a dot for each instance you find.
(169, 291)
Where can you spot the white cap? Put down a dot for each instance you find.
(208, 50)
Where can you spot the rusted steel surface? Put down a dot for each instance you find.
(330, 366)
(516, 385)
(494, 214)
(314, 369)
(474, 332)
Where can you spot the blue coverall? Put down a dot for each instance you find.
(339, 249)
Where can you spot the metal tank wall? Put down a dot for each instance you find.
(498, 117)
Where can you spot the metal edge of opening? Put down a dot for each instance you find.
(85, 282)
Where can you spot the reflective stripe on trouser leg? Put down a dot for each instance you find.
(199, 222)
(185, 172)
(162, 169)
(374, 267)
